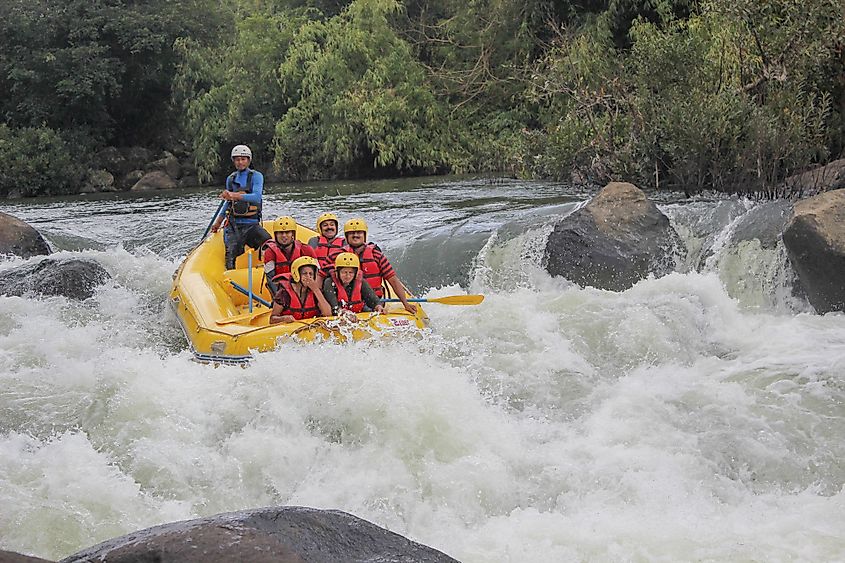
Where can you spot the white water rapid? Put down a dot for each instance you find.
(695, 417)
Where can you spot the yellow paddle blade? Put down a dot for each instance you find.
(245, 317)
(457, 300)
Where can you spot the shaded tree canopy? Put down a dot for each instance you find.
(731, 95)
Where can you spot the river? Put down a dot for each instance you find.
(695, 417)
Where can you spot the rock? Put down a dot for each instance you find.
(136, 157)
(12, 557)
(98, 181)
(131, 179)
(181, 149)
(189, 168)
(74, 278)
(189, 181)
(19, 239)
(815, 243)
(273, 534)
(617, 239)
(169, 164)
(111, 159)
(155, 180)
(818, 180)
(764, 222)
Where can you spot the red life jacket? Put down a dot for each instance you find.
(327, 251)
(370, 268)
(272, 252)
(296, 308)
(354, 302)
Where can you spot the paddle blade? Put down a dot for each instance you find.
(458, 300)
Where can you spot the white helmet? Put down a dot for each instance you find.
(242, 150)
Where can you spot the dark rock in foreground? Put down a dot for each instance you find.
(74, 278)
(264, 535)
(12, 557)
(617, 239)
(815, 243)
(20, 239)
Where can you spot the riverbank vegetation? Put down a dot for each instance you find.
(732, 95)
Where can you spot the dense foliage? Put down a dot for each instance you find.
(724, 94)
(76, 75)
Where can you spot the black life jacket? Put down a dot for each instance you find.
(243, 208)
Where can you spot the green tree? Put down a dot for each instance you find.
(359, 101)
(230, 91)
(39, 161)
(99, 66)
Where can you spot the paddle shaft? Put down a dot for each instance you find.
(246, 292)
(448, 300)
(213, 217)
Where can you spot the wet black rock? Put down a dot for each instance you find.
(19, 239)
(617, 239)
(74, 278)
(264, 535)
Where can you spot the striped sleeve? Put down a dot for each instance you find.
(387, 271)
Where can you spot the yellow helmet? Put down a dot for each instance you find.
(347, 260)
(283, 224)
(300, 262)
(355, 225)
(326, 217)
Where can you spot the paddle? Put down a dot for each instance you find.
(247, 292)
(246, 316)
(450, 300)
(213, 217)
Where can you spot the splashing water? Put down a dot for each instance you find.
(694, 417)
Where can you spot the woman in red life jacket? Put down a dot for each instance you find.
(328, 244)
(346, 290)
(374, 264)
(299, 297)
(282, 250)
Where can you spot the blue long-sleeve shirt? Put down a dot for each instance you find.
(253, 197)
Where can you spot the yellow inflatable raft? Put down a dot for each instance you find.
(219, 326)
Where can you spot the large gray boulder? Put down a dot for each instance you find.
(155, 180)
(617, 239)
(815, 242)
(19, 239)
(264, 535)
(98, 181)
(74, 278)
(13, 557)
(168, 164)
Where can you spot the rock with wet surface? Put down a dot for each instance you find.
(13, 557)
(20, 239)
(617, 239)
(815, 243)
(264, 535)
(74, 278)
